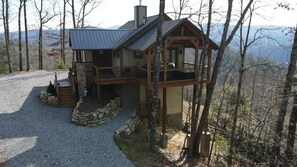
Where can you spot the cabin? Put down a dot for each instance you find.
(122, 60)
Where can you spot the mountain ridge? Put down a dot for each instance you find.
(275, 44)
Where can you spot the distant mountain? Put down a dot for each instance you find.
(49, 36)
(276, 44)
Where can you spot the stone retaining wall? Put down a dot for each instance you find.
(100, 116)
(130, 126)
(48, 98)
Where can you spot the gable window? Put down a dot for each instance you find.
(138, 55)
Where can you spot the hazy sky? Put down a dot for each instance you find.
(117, 12)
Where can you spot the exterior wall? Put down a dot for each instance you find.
(116, 61)
(174, 105)
(88, 56)
(130, 94)
(129, 60)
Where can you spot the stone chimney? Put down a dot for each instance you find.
(140, 14)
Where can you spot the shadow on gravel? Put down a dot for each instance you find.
(24, 132)
(43, 135)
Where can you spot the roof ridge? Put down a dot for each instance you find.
(98, 29)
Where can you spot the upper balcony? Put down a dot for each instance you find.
(168, 77)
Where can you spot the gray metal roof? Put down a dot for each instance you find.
(147, 39)
(130, 25)
(134, 31)
(94, 39)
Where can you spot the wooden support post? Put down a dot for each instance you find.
(149, 67)
(149, 104)
(196, 66)
(98, 92)
(165, 63)
(163, 136)
(208, 65)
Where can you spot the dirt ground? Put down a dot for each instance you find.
(136, 147)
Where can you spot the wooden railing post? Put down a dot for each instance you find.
(208, 65)
(97, 73)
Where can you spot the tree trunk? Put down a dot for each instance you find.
(243, 50)
(5, 15)
(223, 44)
(291, 134)
(83, 14)
(26, 36)
(220, 111)
(63, 33)
(20, 36)
(275, 154)
(73, 14)
(155, 104)
(40, 46)
(40, 36)
(204, 116)
(211, 85)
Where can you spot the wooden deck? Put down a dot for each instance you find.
(132, 74)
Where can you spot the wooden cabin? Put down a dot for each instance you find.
(123, 59)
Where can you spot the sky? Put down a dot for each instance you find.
(117, 12)
(111, 13)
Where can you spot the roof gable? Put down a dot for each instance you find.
(170, 27)
(136, 33)
(147, 39)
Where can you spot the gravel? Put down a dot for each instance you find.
(37, 134)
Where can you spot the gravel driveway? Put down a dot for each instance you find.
(36, 134)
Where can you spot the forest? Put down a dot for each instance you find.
(250, 104)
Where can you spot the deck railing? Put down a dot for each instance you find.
(143, 74)
(169, 75)
(117, 72)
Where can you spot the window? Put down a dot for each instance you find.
(138, 55)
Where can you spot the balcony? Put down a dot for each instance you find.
(113, 75)
(144, 76)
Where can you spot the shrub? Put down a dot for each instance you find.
(61, 65)
(51, 89)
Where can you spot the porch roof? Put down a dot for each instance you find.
(94, 39)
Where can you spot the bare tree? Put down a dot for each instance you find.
(63, 32)
(244, 44)
(44, 17)
(275, 158)
(87, 6)
(157, 56)
(5, 15)
(197, 97)
(20, 35)
(225, 41)
(72, 5)
(26, 36)
(291, 134)
(179, 10)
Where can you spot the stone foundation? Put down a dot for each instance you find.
(130, 126)
(48, 98)
(100, 116)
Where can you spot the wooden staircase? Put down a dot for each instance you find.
(66, 98)
(66, 93)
